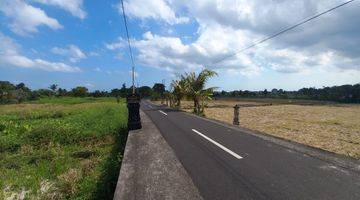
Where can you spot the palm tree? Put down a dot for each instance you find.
(195, 88)
(179, 90)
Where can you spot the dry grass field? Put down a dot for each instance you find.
(334, 127)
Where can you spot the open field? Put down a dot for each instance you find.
(61, 148)
(332, 127)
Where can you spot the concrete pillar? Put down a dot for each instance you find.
(236, 120)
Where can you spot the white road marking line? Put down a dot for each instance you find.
(218, 144)
(162, 112)
(150, 106)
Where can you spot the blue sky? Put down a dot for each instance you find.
(75, 42)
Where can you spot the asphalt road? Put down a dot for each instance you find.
(229, 164)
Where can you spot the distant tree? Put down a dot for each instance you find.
(96, 93)
(45, 92)
(265, 92)
(158, 90)
(62, 92)
(145, 91)
(123, 90)
(53, 87)
(79, 91)
(20, 95)
(116, 93)
(5, 89)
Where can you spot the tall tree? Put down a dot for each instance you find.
(179, 90)
(195, 88)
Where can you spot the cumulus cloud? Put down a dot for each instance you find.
(120, 43)
(330, 42)
(74, 53)
(75, 7)
(335, 33)
(10, 55)
(155, 9)
(171, 54)
(26, 18)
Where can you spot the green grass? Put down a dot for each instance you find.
(67, 148)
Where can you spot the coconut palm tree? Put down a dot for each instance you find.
(195, 88)
(179, 90)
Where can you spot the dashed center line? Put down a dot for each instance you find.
(218, 144)
(162, 112)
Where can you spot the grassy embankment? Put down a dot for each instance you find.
(61, 148)
(329, 126)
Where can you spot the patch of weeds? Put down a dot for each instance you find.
(11, 193)
(2, 127)
(48, 190)
(9, 144)
(68, 181)
(83, 154)
(36, 159)
(58, 114)
(12, 165)
(43, 135)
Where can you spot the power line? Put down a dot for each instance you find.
(130, 50)
(282, 31)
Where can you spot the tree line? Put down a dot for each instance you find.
(342, 94)
(187, 86)
(18, 93)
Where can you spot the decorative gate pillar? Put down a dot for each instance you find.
(236, 114)
(133, 104)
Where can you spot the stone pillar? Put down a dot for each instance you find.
(236, 120)
(133, 104)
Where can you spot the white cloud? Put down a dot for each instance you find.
(25, 18)
(298, 50)
(155, 9)
(120, 43)
(329, 43)
(75, 7)
(171, 54)
(10, 55)
(119, 56)
(90, 85)
(73, 52)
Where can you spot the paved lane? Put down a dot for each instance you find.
(228, 164)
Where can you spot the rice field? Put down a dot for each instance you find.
(61, 148)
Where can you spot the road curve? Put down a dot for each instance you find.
(229, 164)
